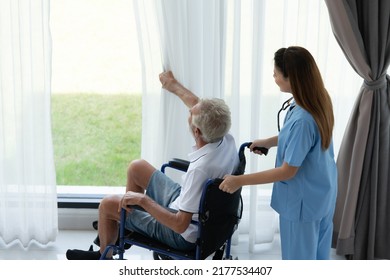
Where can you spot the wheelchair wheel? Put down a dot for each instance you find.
(159, 257)
(218, 255)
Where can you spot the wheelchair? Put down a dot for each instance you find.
(218, 218)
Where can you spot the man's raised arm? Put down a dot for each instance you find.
(169, 82)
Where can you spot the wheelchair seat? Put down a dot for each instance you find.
(218, 218)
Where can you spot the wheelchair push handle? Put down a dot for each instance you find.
(264, 150)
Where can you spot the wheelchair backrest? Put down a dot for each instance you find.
(219, 212)
(219, 215)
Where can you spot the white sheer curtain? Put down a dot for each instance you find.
(225, 49)
(28, 204)
(186, 37)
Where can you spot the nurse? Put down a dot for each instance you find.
(305, 176)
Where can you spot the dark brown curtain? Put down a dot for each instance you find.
(362, 217)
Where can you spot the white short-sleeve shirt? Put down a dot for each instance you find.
(213, 160)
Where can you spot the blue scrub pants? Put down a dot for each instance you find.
(306, 240)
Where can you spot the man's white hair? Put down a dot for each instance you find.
(213, 120)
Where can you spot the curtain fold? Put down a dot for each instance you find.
(362, 215)
(28, 197)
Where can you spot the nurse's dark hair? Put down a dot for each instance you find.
(307, 87)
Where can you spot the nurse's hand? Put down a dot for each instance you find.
(258, 143)
(229, 184)
(266, 143)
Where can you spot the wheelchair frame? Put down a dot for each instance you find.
(162, 251)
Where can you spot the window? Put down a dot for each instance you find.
(96, 94)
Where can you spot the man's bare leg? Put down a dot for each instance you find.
(108, 221)
(139, 173)
(138, 176)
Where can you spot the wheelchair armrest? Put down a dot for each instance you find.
(179, 164)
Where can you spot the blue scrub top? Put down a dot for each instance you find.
(311, 194)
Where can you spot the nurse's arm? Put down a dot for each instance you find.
(282, 173)
(230, 184)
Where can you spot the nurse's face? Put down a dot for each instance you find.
(281, 81)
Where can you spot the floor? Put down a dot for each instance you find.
(82, 239)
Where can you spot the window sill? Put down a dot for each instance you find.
(77, 205)
(87, 197)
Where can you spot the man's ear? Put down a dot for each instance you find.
(198, 132)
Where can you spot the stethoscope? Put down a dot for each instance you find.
(285, 105)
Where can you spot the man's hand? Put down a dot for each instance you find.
(131, 198)
(178, 221)
(169, 82)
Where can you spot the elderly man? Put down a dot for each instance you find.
(214, 155)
